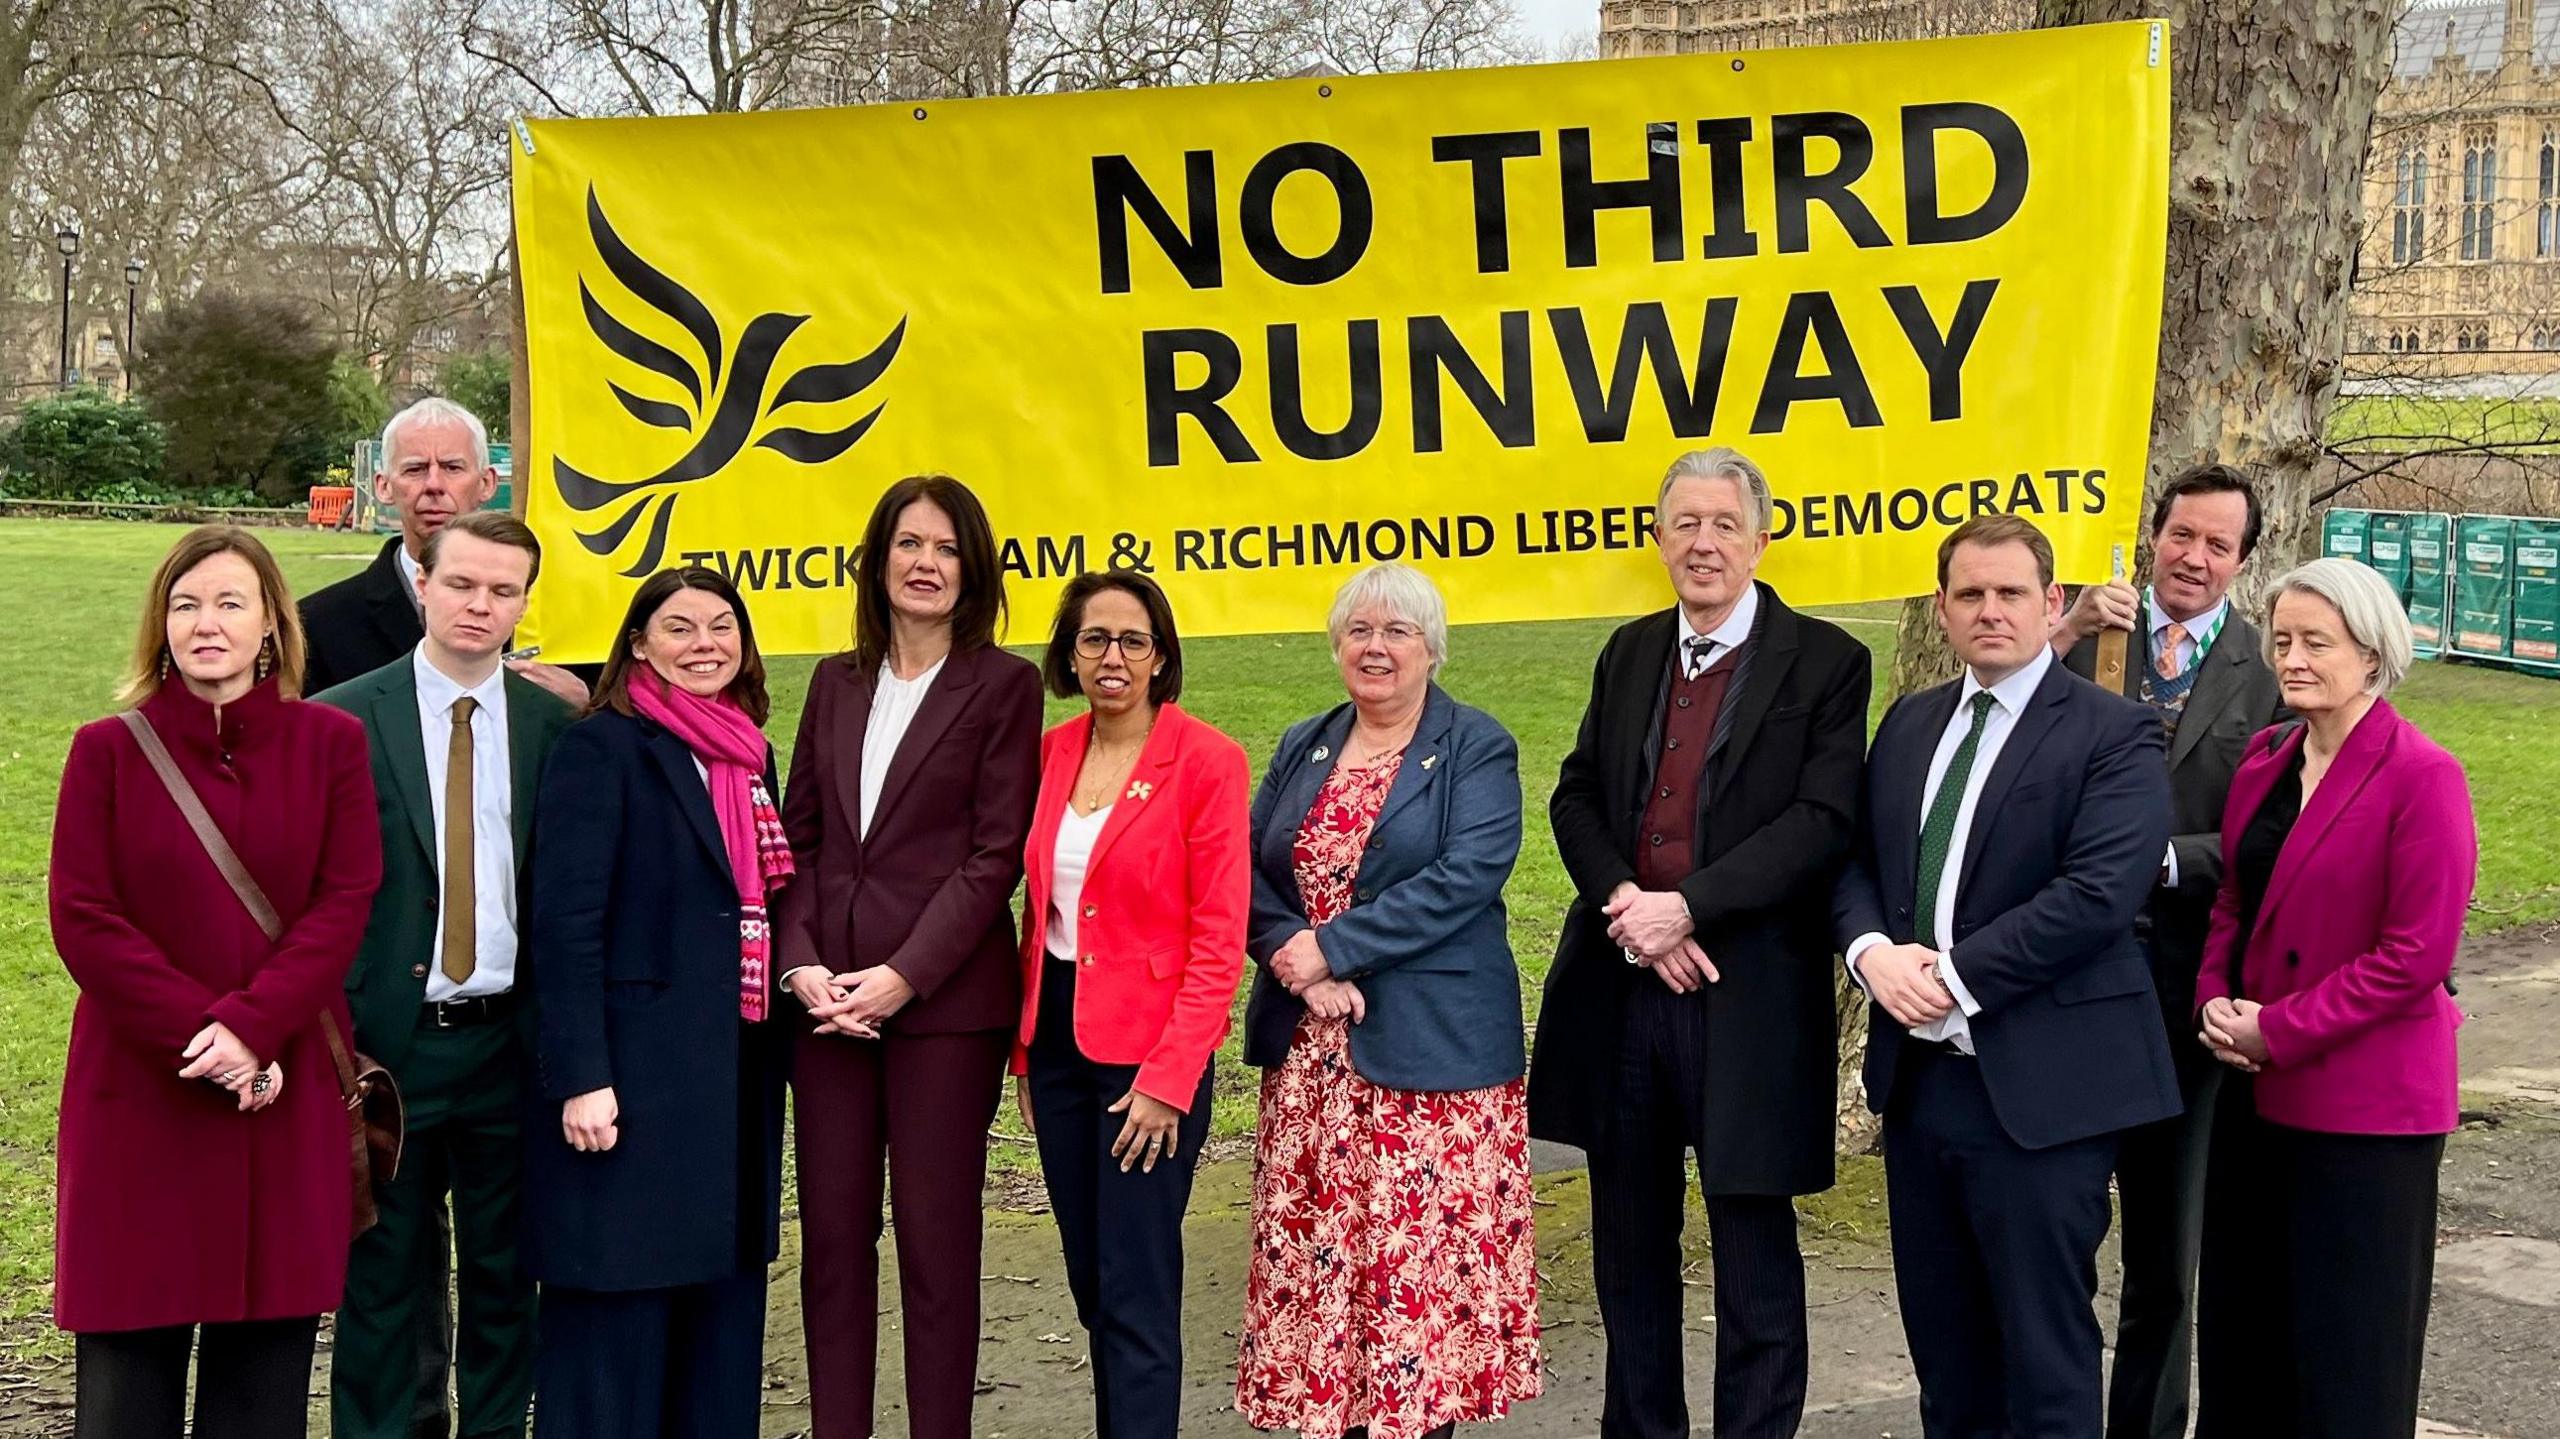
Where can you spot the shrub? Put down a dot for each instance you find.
(64, 447)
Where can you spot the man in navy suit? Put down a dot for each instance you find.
(2009, 831)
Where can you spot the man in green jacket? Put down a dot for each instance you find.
(441, 992)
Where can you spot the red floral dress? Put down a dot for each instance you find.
(1394, 1278)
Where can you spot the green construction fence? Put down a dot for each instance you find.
(2476, 587)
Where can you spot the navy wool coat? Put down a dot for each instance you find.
(1425, 936)
(635, 918)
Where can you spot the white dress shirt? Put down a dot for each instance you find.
(2196, 629)
(1724, 638)
(493, 872)
(894, 703)
(2009, 699)
(410, 572)
(1076, 836)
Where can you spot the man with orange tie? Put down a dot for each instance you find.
(458, 744)
(2196, 661)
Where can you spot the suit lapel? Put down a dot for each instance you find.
(1772, 655)
(1421, 757)
(2216, 687)
(392, 606)
(1647, 680)
(1040, 852)
(397, 728)
(2357, 762)
(944, 701)
(675, 760)
(1899, 804)
(1146, 780)
(852, 721)
(524, 760)
(1307, 775)
(2025, 734)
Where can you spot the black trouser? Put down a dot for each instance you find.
(1639, 1189)
(464, 1140)
(253, 1381)
(1121, 1232)
(682, 1363)
(2160, 1179)
(1995, 1258)
(2319, 1259)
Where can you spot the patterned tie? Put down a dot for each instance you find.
(2172, 635)
(461, 903)
(1694, 653)
(1938, 834)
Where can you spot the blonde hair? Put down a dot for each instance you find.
(2365, 604)
(143, 676)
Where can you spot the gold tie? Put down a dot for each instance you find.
(461, 902)
(2172, 635)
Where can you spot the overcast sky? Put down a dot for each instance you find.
(1556, 19)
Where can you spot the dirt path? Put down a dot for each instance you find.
(2491, 1344)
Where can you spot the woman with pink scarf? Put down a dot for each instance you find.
(653, 1176)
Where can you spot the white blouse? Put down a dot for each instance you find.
(1076, 836)
(894, 703)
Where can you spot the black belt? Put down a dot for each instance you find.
(459, 1013)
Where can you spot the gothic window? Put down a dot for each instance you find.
(2546, 226)
(2395, 342)
(2479, 194)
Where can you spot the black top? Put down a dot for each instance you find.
(2260, 844)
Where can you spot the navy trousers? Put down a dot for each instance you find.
(683, 1363)
(1639, 1194)
(1121, 1233)
(1995, 1256)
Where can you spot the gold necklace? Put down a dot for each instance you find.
(1113, 769)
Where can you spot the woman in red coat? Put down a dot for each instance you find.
(1133, 934)
(202, 1166)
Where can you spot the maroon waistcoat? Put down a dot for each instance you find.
(1666, 841)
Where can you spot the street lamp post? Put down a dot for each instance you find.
(68, 239)
(132, 295)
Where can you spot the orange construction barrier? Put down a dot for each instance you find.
(329, 506)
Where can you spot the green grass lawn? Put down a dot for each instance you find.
(2426, 422)
(77, 586)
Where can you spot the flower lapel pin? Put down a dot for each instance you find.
(1140, 789)
(1323, 753)
(1429, 760)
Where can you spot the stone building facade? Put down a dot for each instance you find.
(2460, 271)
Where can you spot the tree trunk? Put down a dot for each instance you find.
(2271, 107)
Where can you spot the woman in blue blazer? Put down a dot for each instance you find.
(653, 1174)
(1393, 1283)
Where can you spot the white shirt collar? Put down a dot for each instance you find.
(2010, 694)
(1735, 629)
(437, 690)
(2197, 628)
(410, 570)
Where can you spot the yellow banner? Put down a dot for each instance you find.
(1249, 337)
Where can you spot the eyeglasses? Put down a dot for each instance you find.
(1134, 644)
(1360, 632)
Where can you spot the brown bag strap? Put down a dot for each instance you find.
(227, 860)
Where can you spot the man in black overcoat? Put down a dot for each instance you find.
(1703, 815)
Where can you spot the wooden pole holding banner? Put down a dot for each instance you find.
(2111, 641)
(519, 413)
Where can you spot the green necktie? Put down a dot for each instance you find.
(1938, 834)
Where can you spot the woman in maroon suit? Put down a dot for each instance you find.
(2350, 855)
(201, 1170)
(909, 798)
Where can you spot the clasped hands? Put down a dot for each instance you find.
(855, 1003)
(2229, 1027)
(217, 1054)
(1655, 930)
(1300, 964)
(1904, 978)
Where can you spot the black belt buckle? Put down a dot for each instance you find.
(457, 1013)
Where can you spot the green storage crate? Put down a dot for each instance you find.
(2483, 586)
(2430, 580)
(2386, 548)
(2343, 533)
(2534, 633)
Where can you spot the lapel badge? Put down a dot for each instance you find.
(1140, 789)
(1429, 760)
(1323, 753)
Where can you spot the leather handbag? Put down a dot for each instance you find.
(376, 1120)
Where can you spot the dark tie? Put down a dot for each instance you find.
(1694, 653)
(461, 903)
(1938, 833)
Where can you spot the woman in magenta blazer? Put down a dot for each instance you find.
(910, 793)
(2351, 858)
(1133, 934)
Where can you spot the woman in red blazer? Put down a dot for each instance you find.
(202, 1203)
(2351, 855)
(910, 794)
(1133, 933)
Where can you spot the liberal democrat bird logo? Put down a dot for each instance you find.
(722, 418)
